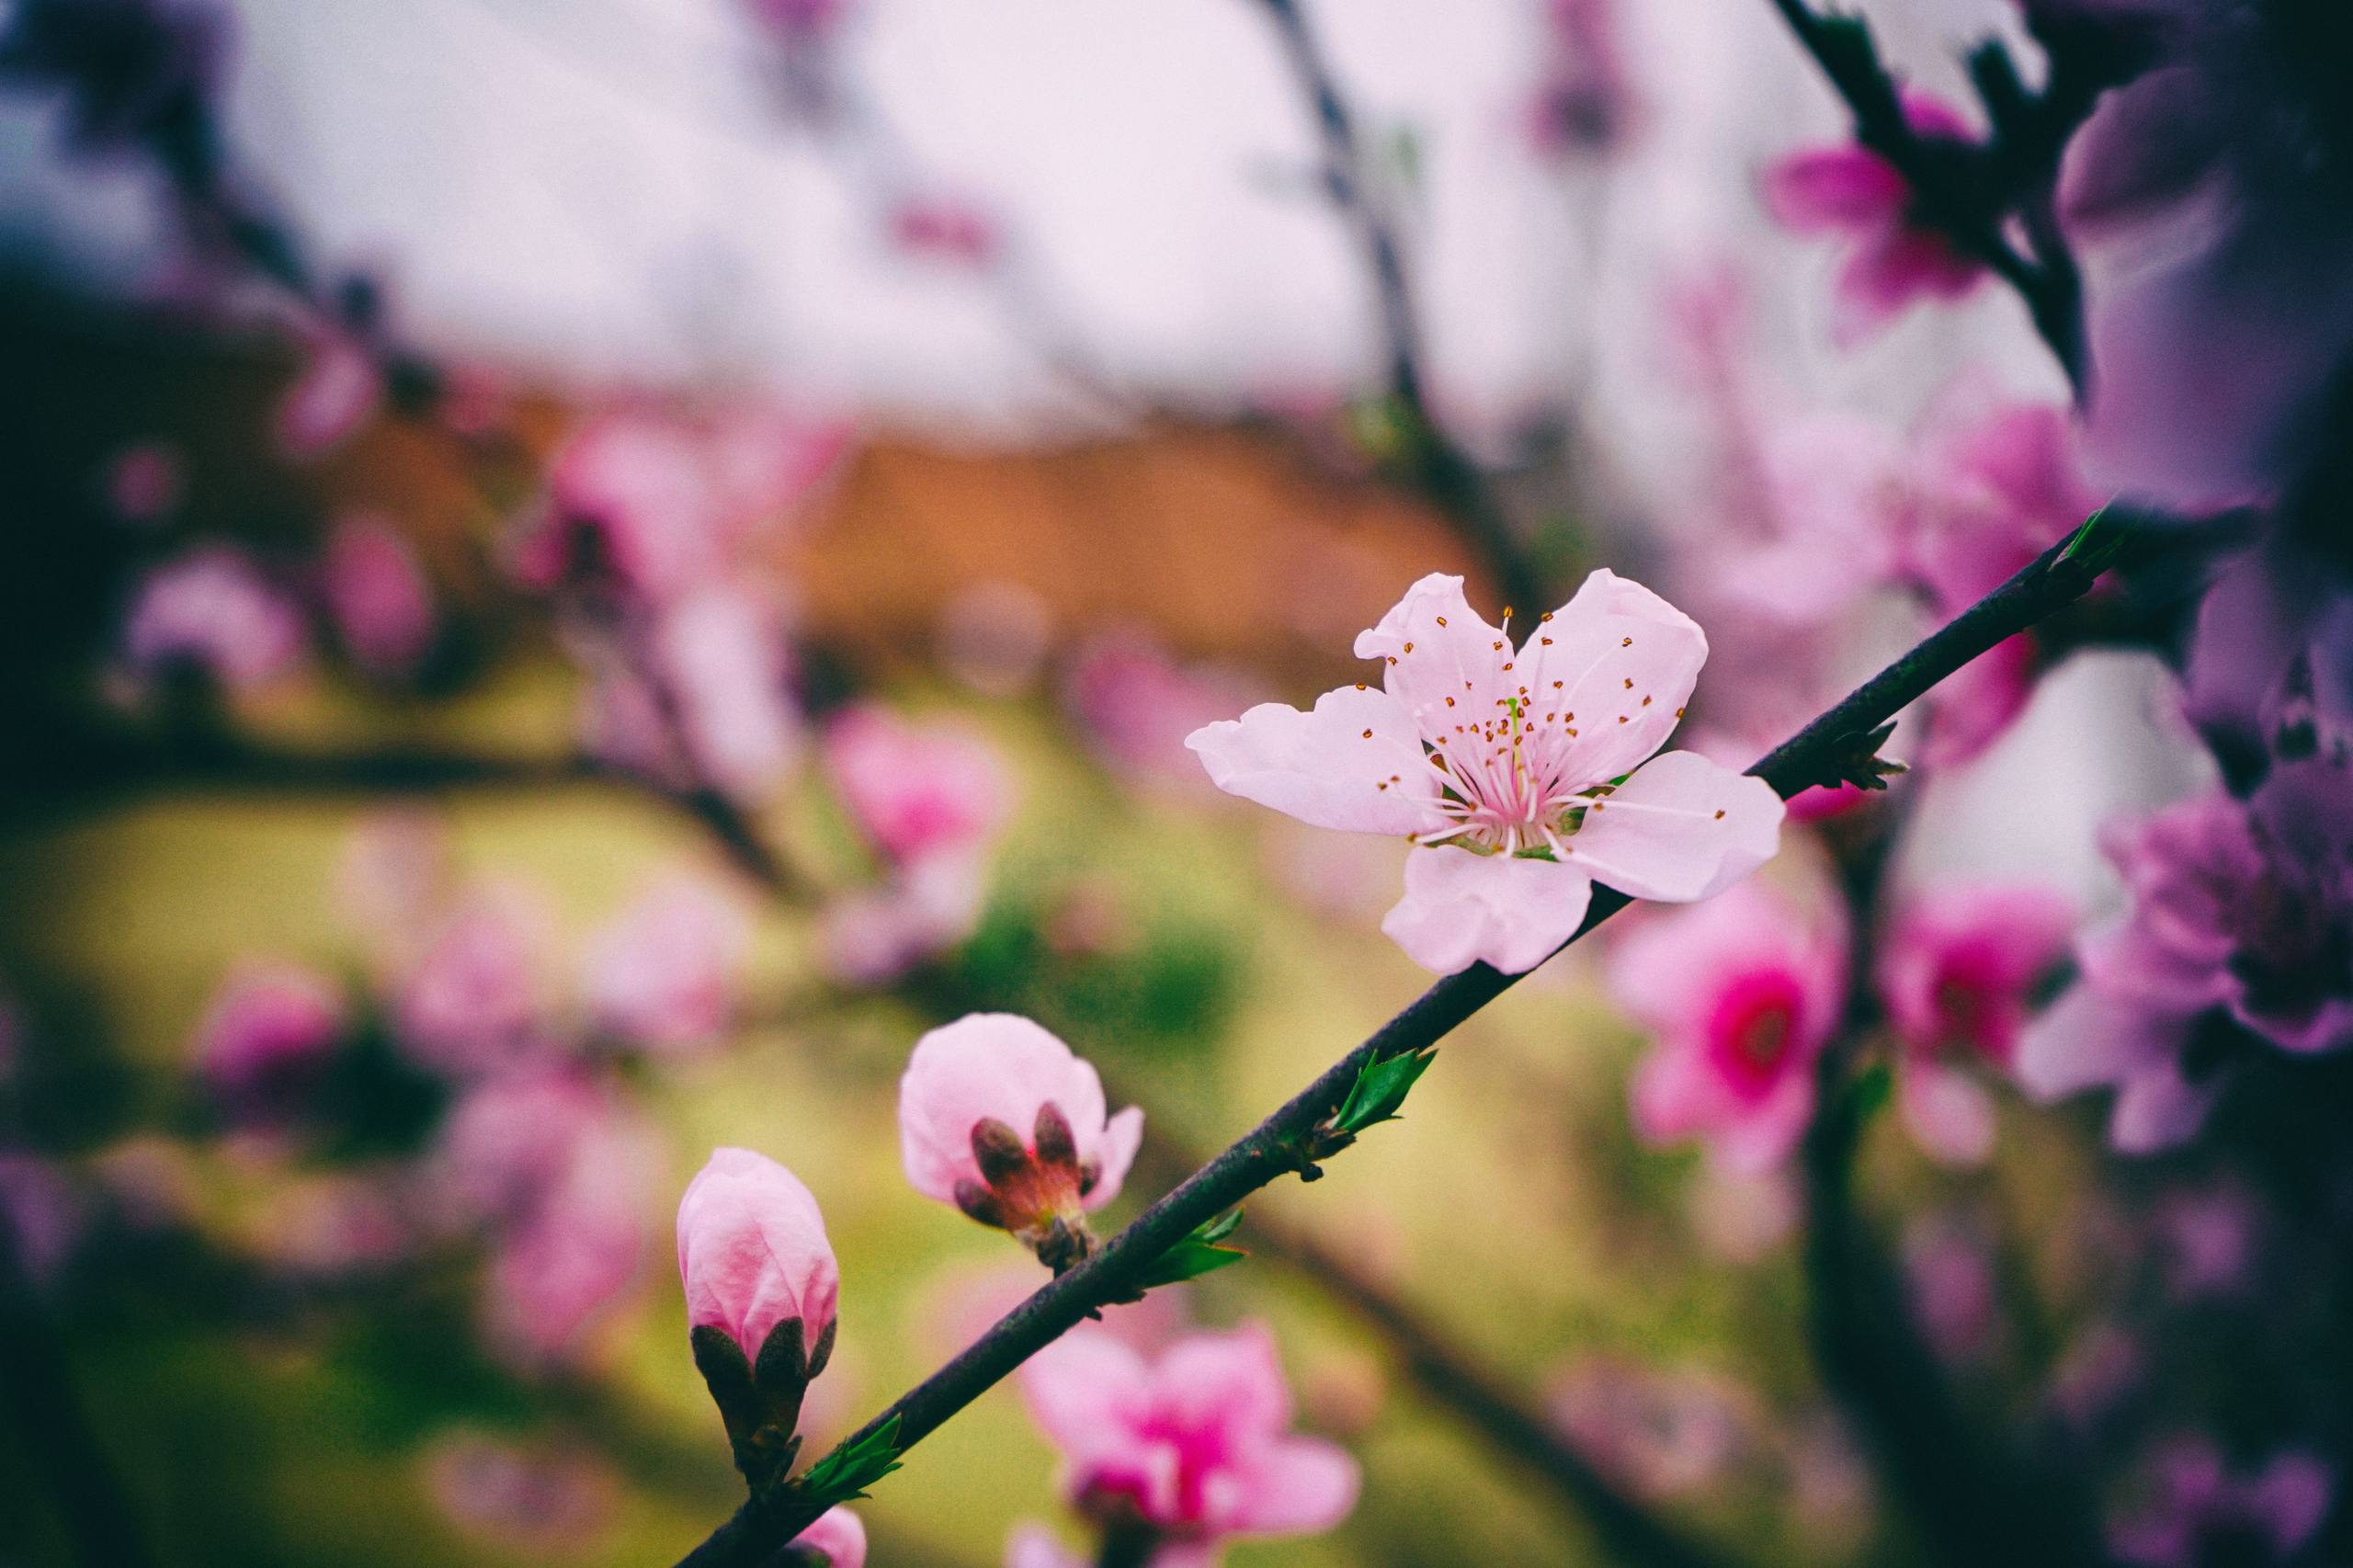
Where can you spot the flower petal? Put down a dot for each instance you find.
(1620, 661)
(1460, 908)
(1295, 1486)
(1086, 1391)
(1355, 763)
(1682, 828)
(1122, 1136)
(1436, 647)
(1833, 188)
(1947, 1113)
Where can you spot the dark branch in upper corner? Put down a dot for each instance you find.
(762, 1526)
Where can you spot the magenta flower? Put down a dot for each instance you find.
(1892, 258)
(377, 593)
(2199, 1511)
(1741, 994)
(753, 1255)
(1193, 1445)
(662, 974)
(915, 790)
(837, 1541)
(1958, 972)
(213, 611)
(1000, 1118)
(2240, 923)
(1525, 774)
(266, 1038)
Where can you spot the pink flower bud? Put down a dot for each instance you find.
(998, 1116)
(378, 596)
(753, 1254)
(837, 1541)
(268, 1032)
(914, 790)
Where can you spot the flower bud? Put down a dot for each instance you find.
(837, 1541)
(998, 1117)
(761, 1286)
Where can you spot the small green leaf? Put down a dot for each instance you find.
(844, 1475)
(1380, 1090)
(1197, 1254)
(1868, 1092)
(2094, 545)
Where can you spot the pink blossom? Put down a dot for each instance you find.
(1584, 103)
(267, 1037)
(215, 611)
(1034, 1546)
(510, 1145)
(337, 1226)
(554, 1278)
(2242, 913)
(2204, 203)
(1661, 1433)
(837, 1541)
(711, 703)
(1852, 192)
(1740, 995)
(1950, 1274)
(1000, 1118)
(145, 481)
(1505, 765)
(915, 790)
(474, 1000)
(1136, 705)
(1193, 1443)
(1835, 496)
(376, 590)
(336, 391)
(664, 973)
(799, 19)
(542, 1500)
(945, 228)
(1958, 972)
(41, 1215)
(2198, 1510)
(630, 505)
(920, 911)
(753, 1254)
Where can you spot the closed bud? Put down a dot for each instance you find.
(998, 1117)
(761, 1286)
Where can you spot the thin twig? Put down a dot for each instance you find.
(764, 1525)
(1442, 468)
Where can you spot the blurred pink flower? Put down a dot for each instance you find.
(2242, 914)
(1136, 705)
(799, 19)
(267, 1037)
(1740, 995)
(2205, 202)
(1950, 1276)
(1193, 1443)
(1852, 192)
(145, 481)
(1034, 1546)
(1585, 105)
(753, 1254)
(335, 1226)
(508, 1145)
(1837, 495)
(2199, 1511)
(915, 790)
(213, 609)
(335, 393)
(1660, 1432)
(532, 1499)
(474, 1000)
(553, 1277)
(41, 1215)
(1958, 972)
(662, 974)
(946, 228)
(837, 1540)
(718, 679)
(377, 593)
(999, 1117)
(1477, 751)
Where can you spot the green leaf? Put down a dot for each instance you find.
(1380, 1090)
(2096, 545)
(1197, 1254)
(1868, 1092)
(844, 1475)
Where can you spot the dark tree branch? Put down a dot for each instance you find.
(1441, 468)
(1278, 1145)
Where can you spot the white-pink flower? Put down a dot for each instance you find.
(662, 974)
(1526, 773)
(998, 1116)
(1194, 1444)
(1958, 972)
(915, 790)
(214, 611)
(376, 591)
(753, 1254)
(1740, 995)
